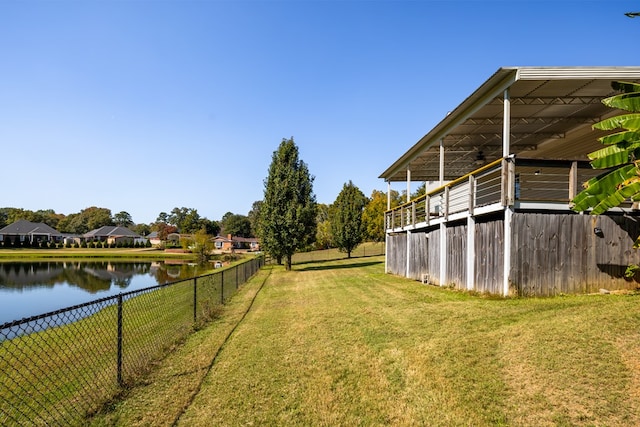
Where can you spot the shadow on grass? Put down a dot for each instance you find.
(337, 266)
(315, 261)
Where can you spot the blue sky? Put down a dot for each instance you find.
(144, 106)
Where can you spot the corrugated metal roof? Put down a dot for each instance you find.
(552, 111)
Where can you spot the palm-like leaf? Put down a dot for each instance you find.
(627, 102)
(599, 188)
(624, 121)
(613, 155)
(621, 151)
(626, 191)
(626, 86)
(620, 137)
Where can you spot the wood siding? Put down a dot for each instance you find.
(552, 254)
(489, 266)
(457, 256)
(560, 253)
(397, 254)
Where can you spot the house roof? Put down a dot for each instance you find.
(552, 111)
(111, 231)
(25, 227)
(245, 239)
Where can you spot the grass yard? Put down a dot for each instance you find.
(341, 343)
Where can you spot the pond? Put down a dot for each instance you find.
(32, 288)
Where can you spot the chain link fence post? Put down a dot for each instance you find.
(119, 361)
(195, 300)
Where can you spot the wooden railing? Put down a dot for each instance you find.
(522, 183)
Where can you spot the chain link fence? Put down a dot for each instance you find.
(60, 367)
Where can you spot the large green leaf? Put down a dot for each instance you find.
(624, 121)
(623, 193)
(598, 189)
(626, 86)
(620, 137)
(610, 156)
(627, 102)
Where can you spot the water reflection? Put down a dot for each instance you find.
(92, 277)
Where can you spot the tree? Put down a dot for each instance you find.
(164, 230)
(254, 216)
(163, 217)
(236, 225)
(86, 220)
(202, 246)
(123, 219)
(324, 237)
(346, 221)
(186, 219)
(288, 212)
(141, 229)
(211, 227)
(373, 215)
(622, 154)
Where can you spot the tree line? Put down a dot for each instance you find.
(286, 220)
(183, 220)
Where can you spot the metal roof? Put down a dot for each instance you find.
(552, 111)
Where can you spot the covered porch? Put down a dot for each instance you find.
(502, 169)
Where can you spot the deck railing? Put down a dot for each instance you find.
(522, 183)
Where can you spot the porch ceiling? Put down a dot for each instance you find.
(552, 111)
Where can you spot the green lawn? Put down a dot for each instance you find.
(341, 343)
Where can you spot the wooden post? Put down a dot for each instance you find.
(427, 209)
(408, 264)
(413, 213)
(443, 253)
(573, 181)
(446, 203)
(472, 194)
(508, 181)
(471, 252)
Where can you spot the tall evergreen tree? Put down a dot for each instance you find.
(288, 211)
(347, 218)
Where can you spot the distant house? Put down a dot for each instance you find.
(230, 243)
(154, 239)
(32, 232)
(113, 234)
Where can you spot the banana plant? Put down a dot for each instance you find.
(620, 156)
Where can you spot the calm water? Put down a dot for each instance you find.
(28, 289)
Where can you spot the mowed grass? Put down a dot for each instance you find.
(341, 343)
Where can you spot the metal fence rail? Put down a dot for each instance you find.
(57, 368)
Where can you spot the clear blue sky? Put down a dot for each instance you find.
(149, 105)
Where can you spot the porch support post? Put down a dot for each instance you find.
(441, 172)
(387, 227)
(471, 236)
(408, 267)
(443, 253)
(408, 185)
(509, 177)
(386, 252)
(471, 252)
(506, 124)
(508, 215)
(388, 195)
(573, 181)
